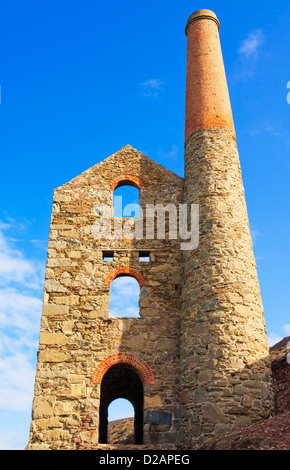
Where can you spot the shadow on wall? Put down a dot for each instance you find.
(121, 381)
(212, 418)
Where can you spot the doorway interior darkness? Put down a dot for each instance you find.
(121, 381)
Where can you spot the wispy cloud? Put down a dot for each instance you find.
(16, 394)
(249, 47)
(274, 338)
(152, 87)
(247, 57)
(265, 127)
(18, 309)
(254, 234)
(14, 267)
(286, 329)
(172, 154)
(21, 281)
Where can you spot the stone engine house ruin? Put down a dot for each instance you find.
(194, 364)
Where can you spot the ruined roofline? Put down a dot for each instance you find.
(113, 155)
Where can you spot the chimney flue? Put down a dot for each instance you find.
(207, 97)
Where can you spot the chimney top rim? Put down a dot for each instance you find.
(201, 15)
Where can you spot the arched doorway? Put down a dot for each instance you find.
(121, 381)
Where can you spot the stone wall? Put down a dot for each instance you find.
(77, 334)
(223, 347)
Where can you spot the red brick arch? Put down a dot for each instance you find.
(123, 358)
(126, 178)
(124, 270)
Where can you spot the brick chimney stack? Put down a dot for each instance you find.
(224, 353)
(207, 98)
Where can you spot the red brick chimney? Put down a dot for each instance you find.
(207, 97)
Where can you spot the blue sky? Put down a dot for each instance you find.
(78, 82)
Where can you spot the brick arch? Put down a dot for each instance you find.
(126, 179)
(124, 270)
(123, 358)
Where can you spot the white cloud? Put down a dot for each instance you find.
(17, 375)
(21, 284)
(249, 46)
(272, 130)
(14, 433)
(152, 87)
(265, 127)
(155, 83)
(248, 54)
(254, 234)
(18, 310)
(273, 338)
(286, 329)
(14, 267)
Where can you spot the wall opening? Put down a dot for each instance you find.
(108, 256)
(144, 256)
(121, 381)
(124, 297)
(126, 201)
(121, 422)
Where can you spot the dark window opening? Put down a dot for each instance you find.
(144, 256)
(108, 256)
(121, 381)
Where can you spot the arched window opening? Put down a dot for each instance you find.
(121, 422)
(126, 201)
(121, 381)
(124, 297)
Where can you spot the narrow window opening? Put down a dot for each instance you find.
(108, 256)
(126, 201)
(124, 297)
(144, 256)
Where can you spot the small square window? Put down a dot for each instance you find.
(144, 256)
(108, 256)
